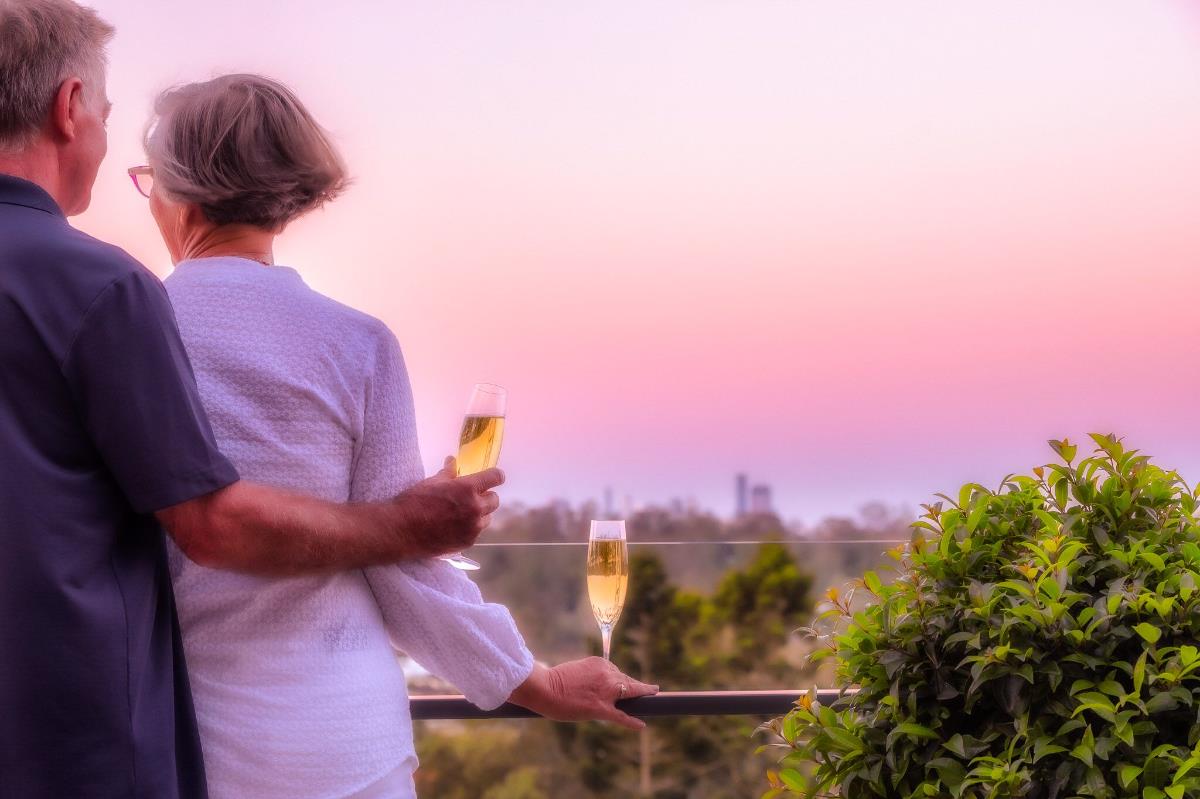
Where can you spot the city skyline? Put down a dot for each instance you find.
(605, 504)
(871, 252)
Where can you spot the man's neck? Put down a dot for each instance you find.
(37, 166)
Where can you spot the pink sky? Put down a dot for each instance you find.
(859, 250)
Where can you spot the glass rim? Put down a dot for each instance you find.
(490, 388)
(607, 529)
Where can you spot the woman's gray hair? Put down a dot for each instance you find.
(42, 43)
(244, 149)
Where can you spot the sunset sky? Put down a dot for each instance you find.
(858, 250)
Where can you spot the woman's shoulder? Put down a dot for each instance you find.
(354, 327)
(362, 324)
(278, 299)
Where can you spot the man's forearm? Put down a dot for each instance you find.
(254, 528)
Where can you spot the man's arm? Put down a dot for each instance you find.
(136, 395)
(253, 528)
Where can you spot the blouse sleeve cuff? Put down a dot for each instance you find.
(508, 677)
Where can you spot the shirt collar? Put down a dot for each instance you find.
(17, 191)
(232, 265)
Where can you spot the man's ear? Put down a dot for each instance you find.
(67, 108)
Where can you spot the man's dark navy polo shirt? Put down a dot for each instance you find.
(100, 426)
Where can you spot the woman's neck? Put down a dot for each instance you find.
(232, 241)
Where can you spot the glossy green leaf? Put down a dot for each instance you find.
(1148, 632)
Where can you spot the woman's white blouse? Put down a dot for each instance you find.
(296, 685)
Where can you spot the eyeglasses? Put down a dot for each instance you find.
(143, 179)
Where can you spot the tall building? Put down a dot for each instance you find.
(760, 499)
(742, 497)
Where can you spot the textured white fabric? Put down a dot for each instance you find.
(395, 785)
(297, 689)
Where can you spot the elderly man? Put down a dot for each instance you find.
(103, 438)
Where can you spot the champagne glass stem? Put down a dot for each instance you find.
(606, 637)
(461, 561)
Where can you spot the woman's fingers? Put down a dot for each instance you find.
(627, 688)
(591, 687)
(624, 719)
(634, 688)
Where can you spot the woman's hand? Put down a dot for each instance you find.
(581, 690)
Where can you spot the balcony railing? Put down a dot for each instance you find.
(671, 703)
(696, 565)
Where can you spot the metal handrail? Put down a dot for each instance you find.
(669, 703)
(787, 542)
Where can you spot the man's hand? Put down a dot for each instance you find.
(581, 690)
(446, 513)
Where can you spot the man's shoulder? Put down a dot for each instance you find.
(88, 258)
(52, 276)
(48, 250)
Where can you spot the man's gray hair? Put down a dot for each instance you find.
(244, 149)
(42, 43)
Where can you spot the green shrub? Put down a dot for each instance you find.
(1039, 641)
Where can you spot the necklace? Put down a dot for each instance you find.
(265, 260)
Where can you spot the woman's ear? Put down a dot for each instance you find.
(191, 217)
(179, 223)
(192, 228)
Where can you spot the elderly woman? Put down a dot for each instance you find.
(297, 689)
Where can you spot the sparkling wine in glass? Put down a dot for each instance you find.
(607, 575)
(480, 440)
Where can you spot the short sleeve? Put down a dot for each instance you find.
(137, 396)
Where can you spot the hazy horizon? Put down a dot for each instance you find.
(859, 252)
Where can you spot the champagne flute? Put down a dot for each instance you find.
(479, 443)
(607, 575)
